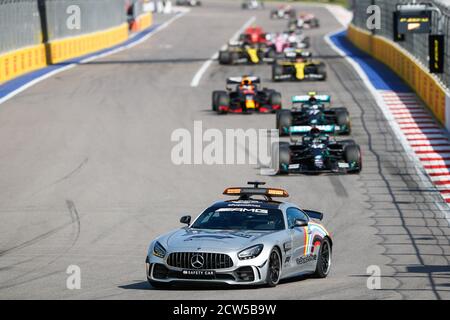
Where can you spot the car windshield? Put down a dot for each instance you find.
(236, 218)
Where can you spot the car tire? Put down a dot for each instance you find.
(284, 159)
(275, 99)
(352, 153)
(274, 268)
(223, 99)
(215, 105)
(343, 119)
(323, 266)
(322, 70)
(224, 57)
(284, 121)
(277, 70)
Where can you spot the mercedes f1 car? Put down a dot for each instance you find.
(313, 111)
(243, 95)
(283, 12)
(297, 68)
(317, 153)
(249, 240)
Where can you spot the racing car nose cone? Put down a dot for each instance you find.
(197, 261)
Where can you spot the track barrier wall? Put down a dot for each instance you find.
(406, 63)
(103, 24)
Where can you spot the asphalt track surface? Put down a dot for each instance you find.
(87, 179)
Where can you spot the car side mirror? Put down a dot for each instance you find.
(300, 223)
(186, 220)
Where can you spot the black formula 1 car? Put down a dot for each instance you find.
(245, 53)
(243, 95)
(313, 111)
(317, 153)
(298, 69)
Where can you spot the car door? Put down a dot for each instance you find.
(299, 239)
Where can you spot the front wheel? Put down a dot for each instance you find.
(324, 260)
(274, 269)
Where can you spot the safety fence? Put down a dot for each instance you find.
(35, 33)
(409, 59)
(416, 44)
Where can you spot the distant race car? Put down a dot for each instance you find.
(252, 5)
(244, 53)
(253, 35)
(249, 240)
(317, 153)
(298, 68)
(280, 42)
(310, 111)
(304, 21)
(243, 95)
(188, 3)
(283, 12)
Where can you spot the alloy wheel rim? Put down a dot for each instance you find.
(274, 267)
(326, 258)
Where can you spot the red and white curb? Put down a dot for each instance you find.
(426, 137)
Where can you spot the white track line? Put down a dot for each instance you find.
(95, 57)
(199, 74)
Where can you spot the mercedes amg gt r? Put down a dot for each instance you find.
(250, 240)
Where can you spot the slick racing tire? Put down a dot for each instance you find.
(343, 119)
(275, 99)
(277, 70)
(284, 122)
(222, 100)
(322, 70)
(215, 103)
(158, 285)
(323, 260)
(225, 57)
(284, 159)
(274, 268)
(352, 153)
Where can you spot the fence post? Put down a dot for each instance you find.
(42, 9)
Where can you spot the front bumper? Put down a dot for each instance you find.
(246, 272)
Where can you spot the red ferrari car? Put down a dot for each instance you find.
(254, 35)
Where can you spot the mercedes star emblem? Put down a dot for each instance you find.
(197, 261)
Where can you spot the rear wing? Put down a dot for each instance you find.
(238, 80)
(308, 99)
(302, 130)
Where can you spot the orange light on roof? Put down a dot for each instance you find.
(232, 191)
(277, 192)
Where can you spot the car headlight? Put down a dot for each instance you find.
(251, 252)
(158, 250)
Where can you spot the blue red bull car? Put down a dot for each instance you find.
(244, 95)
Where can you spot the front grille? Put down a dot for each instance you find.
(210, 260)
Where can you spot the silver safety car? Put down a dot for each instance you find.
(250, 240)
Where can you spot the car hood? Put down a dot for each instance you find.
(198, 239)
